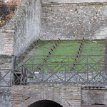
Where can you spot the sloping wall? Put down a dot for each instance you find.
(64, 19)
(27, 27)
(6, 43)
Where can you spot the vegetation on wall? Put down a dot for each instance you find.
(6, 12)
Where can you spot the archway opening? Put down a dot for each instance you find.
(45, 103)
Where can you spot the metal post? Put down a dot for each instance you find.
(23, 76)
(13, 68)
(14, 62)
(16, 73)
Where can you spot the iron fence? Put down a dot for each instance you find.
(89, 69)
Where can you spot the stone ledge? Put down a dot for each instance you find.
(74, 1)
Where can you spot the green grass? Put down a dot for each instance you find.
(62, 58)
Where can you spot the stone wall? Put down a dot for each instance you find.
(5, 97)
(5, 80)
(68, 20)
(6, 42)
(27, 26)
(66, 95)
(64, 19)
(96, 96)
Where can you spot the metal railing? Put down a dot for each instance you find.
(90, 69)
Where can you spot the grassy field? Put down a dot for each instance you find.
(63, 56)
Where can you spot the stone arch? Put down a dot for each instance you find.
(65, 95)
(45, 103)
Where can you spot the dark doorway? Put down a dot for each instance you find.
(45, 103)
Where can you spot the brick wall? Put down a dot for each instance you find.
(66, 95)
(6, 42)
(67, 20)
(97, 96)
(27, 26)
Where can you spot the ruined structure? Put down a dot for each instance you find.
(50, 20)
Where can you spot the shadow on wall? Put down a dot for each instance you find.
(45, 103)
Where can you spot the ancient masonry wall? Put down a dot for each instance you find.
(74, 19)
(6, 42)
(96, 96)
(27, 27)
(66, 95)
